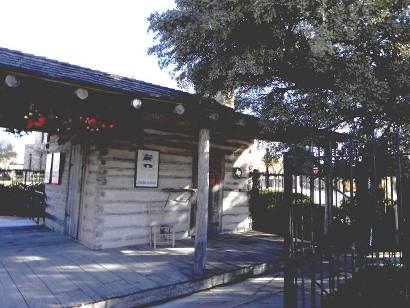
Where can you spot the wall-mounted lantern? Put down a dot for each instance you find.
(214, 116)
(236, 172)
(241, 122)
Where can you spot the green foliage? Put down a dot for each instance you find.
(324, 64)
(7, 152)
(269, 213)
(270, 157)
(275, 199)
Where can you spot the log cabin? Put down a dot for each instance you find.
(107, 130)
(125, 156)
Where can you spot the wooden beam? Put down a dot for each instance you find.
(202, 202)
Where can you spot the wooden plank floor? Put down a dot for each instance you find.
(39, 268)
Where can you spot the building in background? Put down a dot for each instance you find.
(35, 154)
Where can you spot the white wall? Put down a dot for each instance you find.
(125, 213)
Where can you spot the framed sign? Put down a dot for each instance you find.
(54, 166)
(47, 172)
(55, 171)
(146, 169)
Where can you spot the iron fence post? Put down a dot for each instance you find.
(290, 296)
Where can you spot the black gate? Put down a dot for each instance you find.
(346, 213)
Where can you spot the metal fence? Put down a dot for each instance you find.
(274, 182)
(346, 221)
(21, 176)
(338, 221)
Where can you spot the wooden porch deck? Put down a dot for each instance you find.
(39, 268)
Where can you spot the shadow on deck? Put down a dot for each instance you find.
(40, 268)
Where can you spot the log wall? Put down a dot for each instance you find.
(126, 212)
(115, 213)
(56, 195)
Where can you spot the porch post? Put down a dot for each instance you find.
(202, 202)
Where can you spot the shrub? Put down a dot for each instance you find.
(386, 286)
(269, 214)
(16, 199)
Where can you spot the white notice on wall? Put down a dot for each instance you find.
(47, 172)
(147, 168)
(55, 173)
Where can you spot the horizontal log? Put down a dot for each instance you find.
(154, 132)
(236, 211)
(144, 206)
(141, 194)
(114, 242)
(164, 147)
(127, 182)
(137, 220)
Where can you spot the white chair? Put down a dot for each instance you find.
(162, 235)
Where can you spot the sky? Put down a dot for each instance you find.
(107, 35)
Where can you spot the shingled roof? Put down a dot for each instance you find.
(42, 67)
(61, 71)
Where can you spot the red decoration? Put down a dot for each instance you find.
(39, 123)
(64, 125)
(92, 122)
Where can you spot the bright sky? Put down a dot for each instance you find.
(106, 35)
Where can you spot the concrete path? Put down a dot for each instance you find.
(264, 291)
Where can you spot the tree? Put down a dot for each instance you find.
(325, 64)
(7, 152)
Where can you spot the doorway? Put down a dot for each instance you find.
(76, 175)
(215, 199)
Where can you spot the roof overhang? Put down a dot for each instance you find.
(51, 84)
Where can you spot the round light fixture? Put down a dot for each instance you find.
(81, 93)
(12, 81)
(241, 122)
(214, 116)
(136, 103)
(179, 109)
